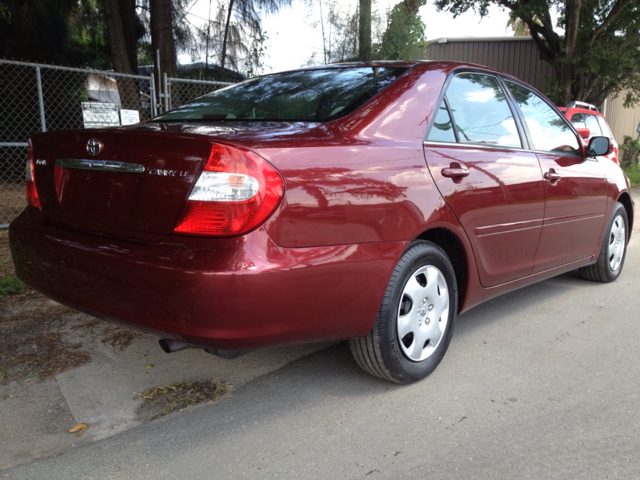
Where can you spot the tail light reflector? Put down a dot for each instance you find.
(32, 192)
(236, 192)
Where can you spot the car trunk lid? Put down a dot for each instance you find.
(129, 183)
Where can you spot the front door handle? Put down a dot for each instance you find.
(552, 176)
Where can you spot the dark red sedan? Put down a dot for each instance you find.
(369, 202)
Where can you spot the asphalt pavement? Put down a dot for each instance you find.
(539, 383)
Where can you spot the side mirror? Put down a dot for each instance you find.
(599, 146)
(584, 132)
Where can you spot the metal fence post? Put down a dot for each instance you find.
(167, 104)
(152, 95)
(43, 122)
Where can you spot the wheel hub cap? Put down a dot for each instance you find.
(617, 239)
(423, 313)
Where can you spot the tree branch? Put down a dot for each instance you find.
(613, 15)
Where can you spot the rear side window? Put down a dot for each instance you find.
(442, 129)
(316, 95)
(577, 119)
(480, 112)
(548, 129)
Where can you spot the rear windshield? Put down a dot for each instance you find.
(307, 96)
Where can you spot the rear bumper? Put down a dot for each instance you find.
(235, 293)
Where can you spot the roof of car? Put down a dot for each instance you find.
(448, 65)
(580, 110)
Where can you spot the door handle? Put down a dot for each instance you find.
(455, 171)
(552, 176)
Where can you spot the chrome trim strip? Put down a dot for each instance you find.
(484, 146)
(99, 165)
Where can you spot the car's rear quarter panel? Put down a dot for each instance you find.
(361, 179)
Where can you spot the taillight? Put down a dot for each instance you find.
(32, 191)
(235, 193)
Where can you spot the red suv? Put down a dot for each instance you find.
(590, 123)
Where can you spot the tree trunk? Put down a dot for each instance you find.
(162, 36)
(129, 95)
(117, 44)
(364, 44)
(324, 42)
(128, 16)
(223, 54)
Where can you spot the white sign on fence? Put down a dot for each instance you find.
(96, 114)
(129, 117)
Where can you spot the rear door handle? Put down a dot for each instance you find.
(455, 171)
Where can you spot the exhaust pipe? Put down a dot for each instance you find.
(228, 354)
(170, 346)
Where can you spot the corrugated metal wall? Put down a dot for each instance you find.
(519, 56)
(623, 121)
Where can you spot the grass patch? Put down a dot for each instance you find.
(633, 172)
(9, 284)
(160, 401)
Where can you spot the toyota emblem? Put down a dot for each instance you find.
(94, 147)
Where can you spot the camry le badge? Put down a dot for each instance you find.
(94, 147)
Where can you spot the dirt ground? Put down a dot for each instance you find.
(12, 201)
(43, 338)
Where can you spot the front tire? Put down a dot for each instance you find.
(613, 251)
(415, 322)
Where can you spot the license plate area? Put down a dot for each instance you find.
(98, 191)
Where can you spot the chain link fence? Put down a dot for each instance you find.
(38, 98)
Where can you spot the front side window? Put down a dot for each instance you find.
(548, 129)
(606, 131)
(480, 111)
(315, 95)
(592, 125)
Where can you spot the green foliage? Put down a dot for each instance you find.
(400, 37)
(145, 53)
(88, 42)
(633, 172)
(629, 152)
(5, 12)
(233, 37)
(64, 32)
(9, 284)
(404, 35)
(35, 30)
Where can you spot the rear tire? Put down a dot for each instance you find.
(613, 251)
(415, 322)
